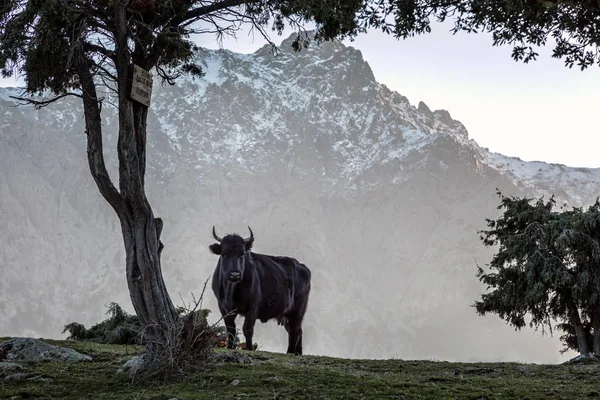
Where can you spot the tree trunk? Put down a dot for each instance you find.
(595, 320)
(141, 230)
(147, 288)
(575, 319)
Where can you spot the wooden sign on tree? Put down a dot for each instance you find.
(141, 85)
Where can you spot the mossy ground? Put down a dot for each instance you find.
(279, 376)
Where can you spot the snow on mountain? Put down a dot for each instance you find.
(367, 123)
(380, 198)
(575, 186)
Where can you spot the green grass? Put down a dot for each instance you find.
(279, 376)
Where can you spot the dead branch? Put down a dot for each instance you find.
(192, 15)
(38, 104)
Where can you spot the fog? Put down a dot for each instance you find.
(391, 241)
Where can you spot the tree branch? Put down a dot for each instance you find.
(104, 72)
(38, 104)
(99, 49)
(192, 15)
(184, 19)
(93, 125)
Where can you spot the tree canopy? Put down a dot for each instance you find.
(45, 39)
(546, 269)
(572, 25)
(41, 33)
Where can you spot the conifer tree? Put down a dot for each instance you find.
(546, 269)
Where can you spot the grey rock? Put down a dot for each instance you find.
(10, 366)
(233, 357)
(132, 365)
(235, 382)
(15, 372)
(29, 349)
(20, 376)
(583, 359)
(8, 370)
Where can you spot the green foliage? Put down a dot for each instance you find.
(547, 267)
(119, 328)
(122, 328)
(525, 258)
(46, 40)
(571, 26)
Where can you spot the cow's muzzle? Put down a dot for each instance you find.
(235, 276)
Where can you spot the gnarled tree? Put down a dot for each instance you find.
(82, 47)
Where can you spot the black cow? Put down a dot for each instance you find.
(259, 286)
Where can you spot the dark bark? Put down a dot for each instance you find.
(93, 125)
(574, 317)
(595, 320)
(141, 230)
(147, 289)
(167, 334)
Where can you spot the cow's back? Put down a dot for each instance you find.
(300, 272)
(282, 280)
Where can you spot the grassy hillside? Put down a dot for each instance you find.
(278, 376)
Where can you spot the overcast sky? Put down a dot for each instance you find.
(537, 111)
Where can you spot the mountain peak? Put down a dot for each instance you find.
(424, 109)
(324, 100)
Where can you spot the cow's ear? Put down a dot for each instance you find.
(215, 248)
(248, 244)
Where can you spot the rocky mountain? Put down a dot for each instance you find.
(381, 199)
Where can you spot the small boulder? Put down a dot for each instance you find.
(583, 359)
(8, 368)
(14, 372)
(233, 357)
(29, 349)
(132, 365)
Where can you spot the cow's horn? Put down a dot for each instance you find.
(251, 238)
(215, 235)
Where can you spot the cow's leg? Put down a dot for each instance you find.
(294, 325)
(294, 330)
(248, 330)
(231, 332)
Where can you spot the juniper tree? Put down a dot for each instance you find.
(546, 269)
(580, 240)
